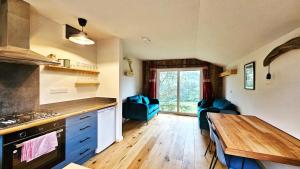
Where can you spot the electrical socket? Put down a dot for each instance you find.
(58, 91)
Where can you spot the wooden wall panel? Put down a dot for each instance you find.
(216, 81)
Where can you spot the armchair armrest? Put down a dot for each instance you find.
(154, 101)
(136, 111)
(204, 104)
(199, 103)
(204, 111)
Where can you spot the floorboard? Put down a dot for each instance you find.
(166, 142)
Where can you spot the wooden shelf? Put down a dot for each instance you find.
(228, 72)
(65, 69)
(78, 84)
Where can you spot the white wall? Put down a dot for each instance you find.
(113, 82)
(132, 85)
(275, 101)
(46, 37)
(109, 58)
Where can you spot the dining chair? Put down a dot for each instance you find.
(231, 162)
(211, 140)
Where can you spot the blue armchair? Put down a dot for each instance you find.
(140, 108)
(218, 106)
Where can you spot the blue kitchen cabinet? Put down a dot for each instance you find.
(81, 138)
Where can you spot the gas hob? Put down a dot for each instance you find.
(15, 119)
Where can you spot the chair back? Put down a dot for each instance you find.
(210, 130)
(219, 149)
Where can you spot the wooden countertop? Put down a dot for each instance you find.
(65, 110)
(251, 137)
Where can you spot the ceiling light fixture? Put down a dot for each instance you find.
(146, 39)
(81, 37)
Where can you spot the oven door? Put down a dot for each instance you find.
(12, 154)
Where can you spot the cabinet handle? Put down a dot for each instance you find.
(84, 151)
(84, 128)
(81, 141)
(81, 118)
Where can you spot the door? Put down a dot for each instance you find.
(189, 91)
(168, 90)
(179, 90)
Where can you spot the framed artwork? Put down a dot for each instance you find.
(249, 76)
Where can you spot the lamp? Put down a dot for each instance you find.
(269, 76)
(81, 37)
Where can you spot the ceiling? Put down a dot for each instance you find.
(219, 31)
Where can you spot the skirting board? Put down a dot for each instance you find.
(119, 139)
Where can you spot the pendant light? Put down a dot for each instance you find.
(81, 37)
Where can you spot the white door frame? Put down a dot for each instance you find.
(178, 70)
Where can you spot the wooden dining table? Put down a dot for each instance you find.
(251, 137)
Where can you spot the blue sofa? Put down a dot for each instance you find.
(140, 108)
(218, 106)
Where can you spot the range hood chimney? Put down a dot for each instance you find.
(15, 34)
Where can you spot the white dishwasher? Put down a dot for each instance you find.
(106, 128)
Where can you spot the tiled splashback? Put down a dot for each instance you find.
(19, 87)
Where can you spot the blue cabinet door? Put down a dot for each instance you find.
(81, 138)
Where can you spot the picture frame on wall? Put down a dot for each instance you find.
(249, 76)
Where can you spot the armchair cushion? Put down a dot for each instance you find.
(223, 104)
(146, 100)
(204, 104)
(154, 101)
(230, 112)
(211, 109)
(135, 99)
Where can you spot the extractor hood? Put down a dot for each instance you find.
(15, 34)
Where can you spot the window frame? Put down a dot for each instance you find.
(178, 70)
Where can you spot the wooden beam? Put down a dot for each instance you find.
(288, 46)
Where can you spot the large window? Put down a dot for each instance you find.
(179, 90)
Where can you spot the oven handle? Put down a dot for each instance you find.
(21, 144)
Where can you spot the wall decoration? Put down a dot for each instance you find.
(276, 52)
(249, 76)
(130, 71)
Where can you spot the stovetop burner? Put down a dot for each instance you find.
(14, 119)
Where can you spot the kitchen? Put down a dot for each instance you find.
(78, 101)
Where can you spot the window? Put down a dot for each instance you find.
(179, 90)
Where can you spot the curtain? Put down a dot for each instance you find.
(207, 86)
(152, 83)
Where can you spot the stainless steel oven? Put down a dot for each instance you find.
(12, 145)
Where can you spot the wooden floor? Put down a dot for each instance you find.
(168, 141)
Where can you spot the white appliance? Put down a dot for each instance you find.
(106, 128)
